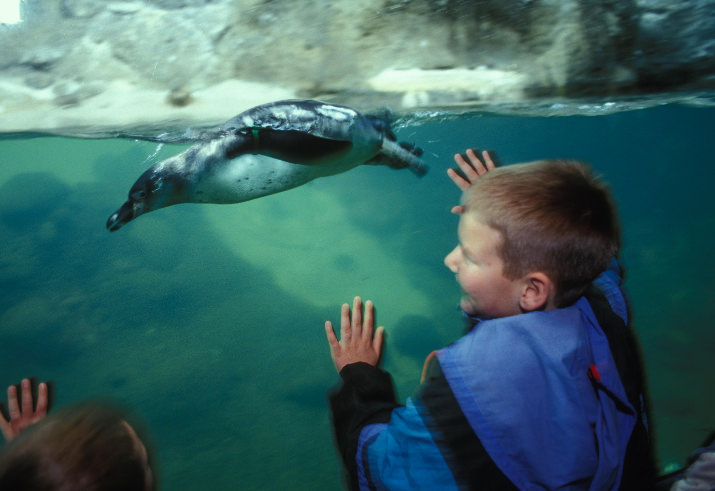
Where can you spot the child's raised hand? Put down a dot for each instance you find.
(21, 412)
(357, 343)
(469, 171)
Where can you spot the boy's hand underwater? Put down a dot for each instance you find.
(357, 343)
(470, 171)
(21, 411)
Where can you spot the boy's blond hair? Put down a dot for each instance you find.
(554, 216)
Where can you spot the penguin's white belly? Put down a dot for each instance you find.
(249, 176)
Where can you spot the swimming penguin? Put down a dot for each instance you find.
(266, 150)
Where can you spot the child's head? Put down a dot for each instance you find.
(553, 217)
(88, 446)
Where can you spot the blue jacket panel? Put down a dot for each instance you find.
(402, 455)
(523, 383)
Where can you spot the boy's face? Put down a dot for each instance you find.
(486, 293)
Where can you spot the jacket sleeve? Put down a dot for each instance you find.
(425, 444)
(366, 396)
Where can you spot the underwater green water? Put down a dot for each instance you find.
(207, 320)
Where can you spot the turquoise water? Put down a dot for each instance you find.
(208, 319)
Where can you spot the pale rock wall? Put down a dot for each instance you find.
(405, 53)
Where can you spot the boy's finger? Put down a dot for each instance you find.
(367, 326)
(377, 340)
(461, 182)
(476, 162)
(330, 333)
(42, 400)
(345, 322)
(489, 163)
(459, 160)
(357, 316)
(473, 155)
(332, 341)
(13, 408)
(468, 167)
(26, 395)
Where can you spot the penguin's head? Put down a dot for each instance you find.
(150, 192)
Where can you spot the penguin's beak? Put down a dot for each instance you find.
(123, 215)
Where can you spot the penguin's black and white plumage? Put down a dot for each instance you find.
(266, 150)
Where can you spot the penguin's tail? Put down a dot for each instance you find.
(400, 155)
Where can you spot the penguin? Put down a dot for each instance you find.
(266, 150)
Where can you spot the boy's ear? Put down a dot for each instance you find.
(538, 293)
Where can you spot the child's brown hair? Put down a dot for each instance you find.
(554, 216)
(88, 447)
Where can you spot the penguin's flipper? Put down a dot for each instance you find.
(400, 155)
(290, 146)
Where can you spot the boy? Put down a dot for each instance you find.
(546, 390)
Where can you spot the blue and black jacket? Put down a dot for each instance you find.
(545, 400)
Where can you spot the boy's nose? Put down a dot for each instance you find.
(450, 260)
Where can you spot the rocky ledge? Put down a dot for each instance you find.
(77, 64)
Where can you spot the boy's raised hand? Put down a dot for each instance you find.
(472, 170)
(22, 414)
(357, 343)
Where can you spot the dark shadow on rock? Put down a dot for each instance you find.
(416, 337)
(312, 395)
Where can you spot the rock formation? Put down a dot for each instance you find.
(85, 61)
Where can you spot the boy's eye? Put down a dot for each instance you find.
(466, 256)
